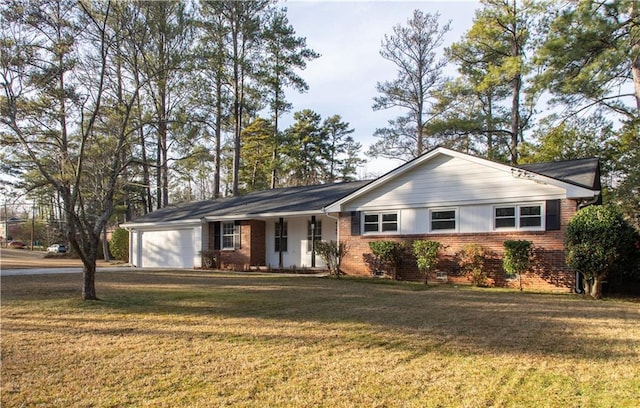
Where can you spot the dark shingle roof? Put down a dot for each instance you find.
(581, 172)
(280, 200)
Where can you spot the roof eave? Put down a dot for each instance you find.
(268, 215)
(160, 224)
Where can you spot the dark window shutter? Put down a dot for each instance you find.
(355, 223)
(236, 232)
(217, 241)
(553, 215)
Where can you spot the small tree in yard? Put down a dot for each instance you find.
(332, 254)
(388, 254)
(596, 240)
(518, 255)
(472, 259)
(426, 253)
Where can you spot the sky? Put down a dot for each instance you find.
(348, 36)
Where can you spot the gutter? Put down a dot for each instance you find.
(586, 203)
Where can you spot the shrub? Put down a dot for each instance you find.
(472, 259)
(597, 241)
(388, 255)
(209, 259)
(332, 253)
(119, 244)
(426, 253)
(518, 256)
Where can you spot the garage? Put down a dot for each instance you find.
(167, 248)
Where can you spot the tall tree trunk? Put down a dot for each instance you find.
(490, 152)
(218, 135)
(635, 52)
(105, 244)
(595, 289)
(89, 278)
(274, 153)
(516, 85)
(159, 173)
(515, 119)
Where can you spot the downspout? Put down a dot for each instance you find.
(324, 210)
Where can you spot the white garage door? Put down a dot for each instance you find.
(172, 248)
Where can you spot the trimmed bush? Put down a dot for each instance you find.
(119, 244)
(518, 257)
(209, 259)
(426, 253)
(388, 255)
(472, 259)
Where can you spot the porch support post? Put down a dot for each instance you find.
(280, 235)
(313, 241)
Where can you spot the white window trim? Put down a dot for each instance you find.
(517, 227)
(444, 231)
(379, 214)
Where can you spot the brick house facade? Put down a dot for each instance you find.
(443, 195)
(550, 270)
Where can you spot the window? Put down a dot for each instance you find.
(443, 220)
(371, 223)
(230, 235)
(281, 241)
(530, 216)
(317, 234)
(380, 222)
(527, 216)
(505, 217)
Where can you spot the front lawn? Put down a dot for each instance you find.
(203, 339)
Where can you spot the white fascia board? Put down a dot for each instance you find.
(160, 225)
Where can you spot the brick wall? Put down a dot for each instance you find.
(252, 247)
(549, 273)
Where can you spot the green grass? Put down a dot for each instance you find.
(202, 339)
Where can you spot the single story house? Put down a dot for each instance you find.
(443, 195)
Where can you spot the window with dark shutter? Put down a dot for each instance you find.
(217, 239)
(552, 215)
(355, 223)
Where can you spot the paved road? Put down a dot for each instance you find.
(45, 271)
(27, 262)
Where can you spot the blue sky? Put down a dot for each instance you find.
(348, 35)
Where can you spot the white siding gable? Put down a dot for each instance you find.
(450, 181)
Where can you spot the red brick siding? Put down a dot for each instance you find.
(252, 247)
(550, 271)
